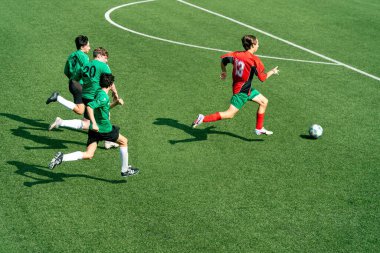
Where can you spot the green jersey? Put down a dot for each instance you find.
(74, 64)
(101, 107)
(91, 75)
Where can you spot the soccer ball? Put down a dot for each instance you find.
(315, 131)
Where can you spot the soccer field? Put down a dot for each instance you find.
(216, 188)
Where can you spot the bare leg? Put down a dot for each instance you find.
(230, 113)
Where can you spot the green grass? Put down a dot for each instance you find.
(218, 188)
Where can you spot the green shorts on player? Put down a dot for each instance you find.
(238, 100)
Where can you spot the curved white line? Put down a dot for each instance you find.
(108, 18)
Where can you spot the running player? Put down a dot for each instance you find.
(100, 129)
(72, 70)
(245, 66)
(89, 75)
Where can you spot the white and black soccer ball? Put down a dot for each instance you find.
(315, 131)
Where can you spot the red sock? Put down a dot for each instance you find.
(212, 117)
(260, 121)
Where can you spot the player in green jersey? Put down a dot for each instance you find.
(89, 75)
(73, 71)
(100, 129)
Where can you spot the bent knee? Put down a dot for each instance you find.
(78, 109)
(264, 102)
(88, 156)
(123, 141)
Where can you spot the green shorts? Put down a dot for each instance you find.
(239, 99)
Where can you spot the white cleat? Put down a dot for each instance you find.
(263, 131)
(55, 124)
(198, 121)
(110, 144)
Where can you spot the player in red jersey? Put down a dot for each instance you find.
(245, 66)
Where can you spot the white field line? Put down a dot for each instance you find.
(107, 17)
(282, 40)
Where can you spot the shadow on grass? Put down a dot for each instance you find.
(30, 122)
(307, 137)
(37, 125)
(49, 143)
(198, 134)
(33, 171)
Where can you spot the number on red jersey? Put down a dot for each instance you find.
(239, 68)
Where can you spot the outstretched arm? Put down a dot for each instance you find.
(116, 100)
(273, 71)
(115, 95)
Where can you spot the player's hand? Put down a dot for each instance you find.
(223, 75)
(120, 101)
(276, 71)
(95, 127)
(115, 96)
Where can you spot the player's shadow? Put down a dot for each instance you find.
(25, 132)
(37, 124)
(47, 142)
(30, 122)
(43, 176)
(198, 134)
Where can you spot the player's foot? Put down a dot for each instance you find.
(130, 172)
(57, 122)
(110, 144)
(57, 160)
(263, 131)
(198, 121)
(52, 98)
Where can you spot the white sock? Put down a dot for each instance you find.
(66, 103)
(124, 158)
(73, 156)
(72, 123)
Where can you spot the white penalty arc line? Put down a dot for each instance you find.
(107, 17)
(282, 40)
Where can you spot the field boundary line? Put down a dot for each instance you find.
(108, 18)
(282, 40)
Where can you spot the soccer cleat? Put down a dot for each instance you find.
(52, 98)
(57, 160)
(130, 172)
(198, 121)
(57, 122)
(110, 144)
(263, 131)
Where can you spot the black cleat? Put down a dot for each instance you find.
(52, 98)
(130, 172)
(57, 160)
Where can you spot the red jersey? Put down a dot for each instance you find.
(245, 67)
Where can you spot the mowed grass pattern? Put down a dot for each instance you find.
(217, 188)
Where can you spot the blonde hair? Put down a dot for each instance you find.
(100, 51)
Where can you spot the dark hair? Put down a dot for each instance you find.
(100, 51)
(248, 40)
(81, 41)
(106, 80)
